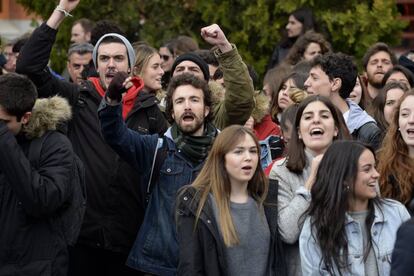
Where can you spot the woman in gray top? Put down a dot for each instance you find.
(318, 124)
(223, 221)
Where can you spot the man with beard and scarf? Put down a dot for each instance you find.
(116, 205)
(378, 59)
(185, 147)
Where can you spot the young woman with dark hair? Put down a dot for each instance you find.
(281, 100)
(359, 94)
(349, 229)
(396, 156)
(224, 224)
(317, 124)
(399, 74)
(383, 106)
(307, 47)
(299, 21)
(273, 79)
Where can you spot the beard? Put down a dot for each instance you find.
(374, 82)
(190, 129)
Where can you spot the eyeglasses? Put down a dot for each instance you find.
(165, 57)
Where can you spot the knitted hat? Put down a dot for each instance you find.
(130, 49)
(407, 63)
(197, 60)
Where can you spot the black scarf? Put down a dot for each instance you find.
(196, 148)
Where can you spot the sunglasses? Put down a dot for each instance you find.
(165, 57)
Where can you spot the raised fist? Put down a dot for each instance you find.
(117, 87)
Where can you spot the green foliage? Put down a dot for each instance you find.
(253, 25)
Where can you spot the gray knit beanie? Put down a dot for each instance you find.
(130, 49)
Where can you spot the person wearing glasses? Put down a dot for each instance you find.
(167, 59)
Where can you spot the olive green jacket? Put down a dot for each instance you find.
(238, 103)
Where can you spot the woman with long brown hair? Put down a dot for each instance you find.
(349, 229)
(317, 124)
(396, 156)
(223, 225)
(309, 45)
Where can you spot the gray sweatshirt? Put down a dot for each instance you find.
(293, 201)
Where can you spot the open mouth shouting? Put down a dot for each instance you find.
(110, 75)
(188, 117)
(247, 169)
(410, 133)
(316, 132)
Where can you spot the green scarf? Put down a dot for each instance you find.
(196, 148)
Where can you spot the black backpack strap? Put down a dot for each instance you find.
(159, 157)
(280, 263)
(35, 149)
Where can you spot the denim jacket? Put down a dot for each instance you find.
(388, 219)
(155, 249)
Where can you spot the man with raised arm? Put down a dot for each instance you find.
(116, 205)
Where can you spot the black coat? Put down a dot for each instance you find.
(31, 241)
(403, 254)
(202, 248)
(116, 199)
(370, 134)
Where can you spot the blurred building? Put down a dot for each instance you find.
(14, 20)
(406, 8)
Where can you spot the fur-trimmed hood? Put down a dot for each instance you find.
(47, 114)
(261, 106)
(217, 91)
(261, 102)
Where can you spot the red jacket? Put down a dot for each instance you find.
(266, 128)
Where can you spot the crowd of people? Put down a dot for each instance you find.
(172, 161)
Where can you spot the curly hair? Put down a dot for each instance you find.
(339, 65)
(298, 49)
(187, 79)
(394, 163)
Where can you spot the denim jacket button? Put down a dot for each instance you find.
(357, 257)
(375, 233)
(185, 198)
(169, 170)
(208, 221)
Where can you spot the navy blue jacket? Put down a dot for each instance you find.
(155, 250)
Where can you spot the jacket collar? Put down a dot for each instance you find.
(379, 216)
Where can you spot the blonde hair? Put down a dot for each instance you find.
(297, 95)
(143, 53)
(215, 179)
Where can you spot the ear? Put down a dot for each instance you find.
(134, 71)
(299, 134)
(336, 84)
(88, 36)
(336, 132)
(206, 111)
(26, 117)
